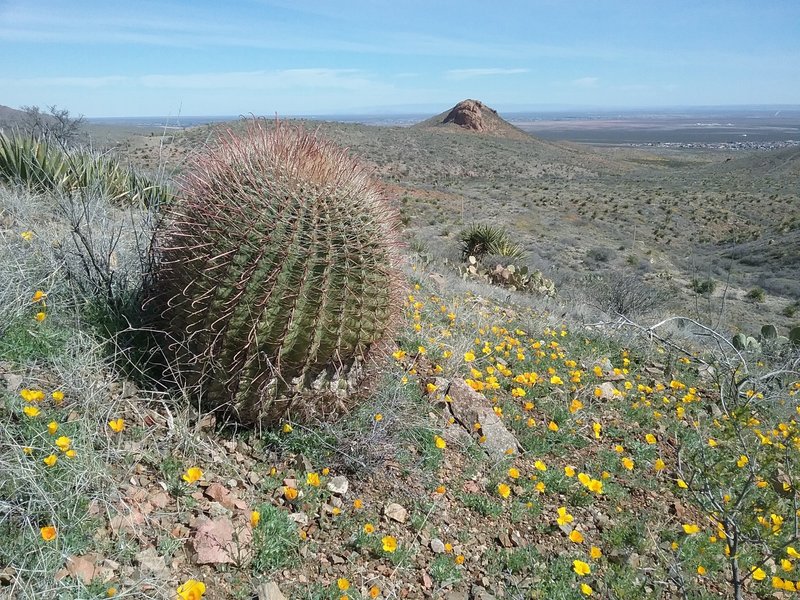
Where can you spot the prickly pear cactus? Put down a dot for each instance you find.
(278, 274)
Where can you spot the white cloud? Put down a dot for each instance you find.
(80, 82)
(459, 74)
(340, 79)
(348, 79)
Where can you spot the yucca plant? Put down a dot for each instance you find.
(43, 165)
(278, 271)
(481, 239)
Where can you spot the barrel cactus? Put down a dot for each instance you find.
(278, 270)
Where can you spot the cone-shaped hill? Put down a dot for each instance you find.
(474, 116)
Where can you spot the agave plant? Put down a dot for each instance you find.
(278, 267)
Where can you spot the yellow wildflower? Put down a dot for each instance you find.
(581, 568)
(563, 516)
(690, 528)
(389, 543)
(503, 490)
(192, 474)
(191, 590)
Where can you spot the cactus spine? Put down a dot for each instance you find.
(278, 263)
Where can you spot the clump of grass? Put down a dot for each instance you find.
(275, 540)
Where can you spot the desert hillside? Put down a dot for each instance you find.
(550, 370)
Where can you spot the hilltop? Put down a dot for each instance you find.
(473, 116)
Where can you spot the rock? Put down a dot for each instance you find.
(129, 389)
(634, 561)
(86, 568)
(269, 591)
(129, 523)
(457, 595)
(505, 540)
(607, 390)
(215, 509)
(437, 546)
(517, 539)
(468, 114)
(481, 593)
(338, 485)
(300, 518)
(220, 541)
(150, 563)
(470, 407)
(13, 381)
(395, 512)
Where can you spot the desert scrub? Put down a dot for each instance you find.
(279, 272)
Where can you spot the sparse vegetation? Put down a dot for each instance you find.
(651, 456)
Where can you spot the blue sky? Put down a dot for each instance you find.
(210, 57)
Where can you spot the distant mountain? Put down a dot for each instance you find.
(10, 115)
(777, 163)
(476, 117)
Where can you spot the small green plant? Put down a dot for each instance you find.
(756, 295)
(444, 570)
(275, 540)
(483, 505)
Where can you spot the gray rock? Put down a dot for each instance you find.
(270, 591)
(338, 485)
(470, 407)
(152, 564)
(437, 546)
(395, 512)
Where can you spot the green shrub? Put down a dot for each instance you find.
(279, 271)
(704, 287)
(756, 295)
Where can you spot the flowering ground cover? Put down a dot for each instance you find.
(638, 470)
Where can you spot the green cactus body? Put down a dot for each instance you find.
(769, 332)
(739, 341)
(279, 261)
